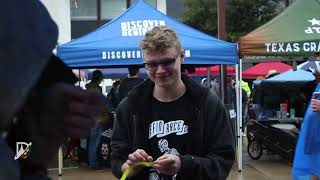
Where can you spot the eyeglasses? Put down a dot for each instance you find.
(165, 64)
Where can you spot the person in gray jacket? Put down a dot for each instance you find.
(171, 121)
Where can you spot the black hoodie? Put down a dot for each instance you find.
(210, 143)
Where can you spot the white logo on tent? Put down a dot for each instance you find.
(315, 26)
(139, 27)
(292, 47)
(123, 54)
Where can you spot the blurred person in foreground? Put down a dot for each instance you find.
(171, 121)
(306, 163)
(39, 103)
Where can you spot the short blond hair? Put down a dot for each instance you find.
(159, 39)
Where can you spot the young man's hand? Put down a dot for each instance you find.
(168, 164)
(134, 158)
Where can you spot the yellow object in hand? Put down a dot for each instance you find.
(129, 170)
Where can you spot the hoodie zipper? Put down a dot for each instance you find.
(134, 133)
(198, 115)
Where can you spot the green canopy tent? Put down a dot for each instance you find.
(294, 32)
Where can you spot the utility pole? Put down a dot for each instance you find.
(128, 3)
(222, 35)
(98, 13)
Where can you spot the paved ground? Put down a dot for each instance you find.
(269, 167)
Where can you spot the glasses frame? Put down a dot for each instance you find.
(166, 63)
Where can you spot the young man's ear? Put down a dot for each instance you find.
(182, 56)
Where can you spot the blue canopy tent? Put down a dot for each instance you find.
(298, 76)
(291, 80)
(117, 42)
(286, 86)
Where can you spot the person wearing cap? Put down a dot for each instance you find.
(214, 86)
(39, 105)
(271, 73)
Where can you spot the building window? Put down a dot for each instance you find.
(152, 2)
(83, 9)
(84, 14)
(112, 8)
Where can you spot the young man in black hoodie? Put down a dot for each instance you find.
(171, 121)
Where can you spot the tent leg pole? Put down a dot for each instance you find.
(79, 77)
(208, 76)
(60, 161)
(240, 115)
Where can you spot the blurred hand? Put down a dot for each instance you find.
(57, 112)
(168, 164)
(315, 105)
(68, 110)
(134, 158)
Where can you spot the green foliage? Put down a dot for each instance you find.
(202, 15)
(242, 16)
